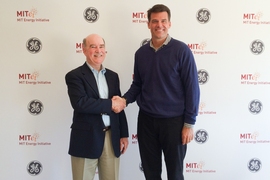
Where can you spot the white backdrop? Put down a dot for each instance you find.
(41, 42)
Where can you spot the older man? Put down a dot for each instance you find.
(98, 135)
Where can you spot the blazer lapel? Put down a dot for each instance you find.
(89, 78)
(110, 83)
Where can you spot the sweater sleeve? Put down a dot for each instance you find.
(136, 85)
(190, 82)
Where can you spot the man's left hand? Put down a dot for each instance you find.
(187, 135)
(123, 145)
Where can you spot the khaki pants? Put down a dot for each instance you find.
(108, 164)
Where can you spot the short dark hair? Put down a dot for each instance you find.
(158, 8)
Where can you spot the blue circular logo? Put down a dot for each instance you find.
(91, 14)
(203, 76)
(255, 107)
(35, 107)
(254, 165)
(34, 168)
(256, 47)
(201, 136)
(203, 15)
(34, 45)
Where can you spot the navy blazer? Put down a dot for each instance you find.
(87, 135)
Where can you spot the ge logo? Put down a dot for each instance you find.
(203, 76)
(203, 15)
(255, 106)
(34, 168)
(33, 45)
(145, 41)
(91, 14)
(254, 165)
(141, 167)
(35, 107)
(201, 136)
(256, 47)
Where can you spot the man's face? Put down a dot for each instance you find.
(159, 25)
(94, 51)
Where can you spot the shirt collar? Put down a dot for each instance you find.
(103, 70)
(168, 38)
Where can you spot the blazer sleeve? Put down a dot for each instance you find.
(123, 125)
(83, 97)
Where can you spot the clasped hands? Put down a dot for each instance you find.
(118, 104)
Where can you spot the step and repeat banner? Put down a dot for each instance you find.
(42, 40)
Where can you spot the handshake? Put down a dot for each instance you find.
(118, 104)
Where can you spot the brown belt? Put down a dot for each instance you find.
(106, 128)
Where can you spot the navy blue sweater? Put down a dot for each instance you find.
(165, 82)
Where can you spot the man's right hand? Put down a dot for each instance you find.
(118, 104)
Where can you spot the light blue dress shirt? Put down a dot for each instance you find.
(102, 89)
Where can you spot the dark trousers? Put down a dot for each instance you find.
(157, 135)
